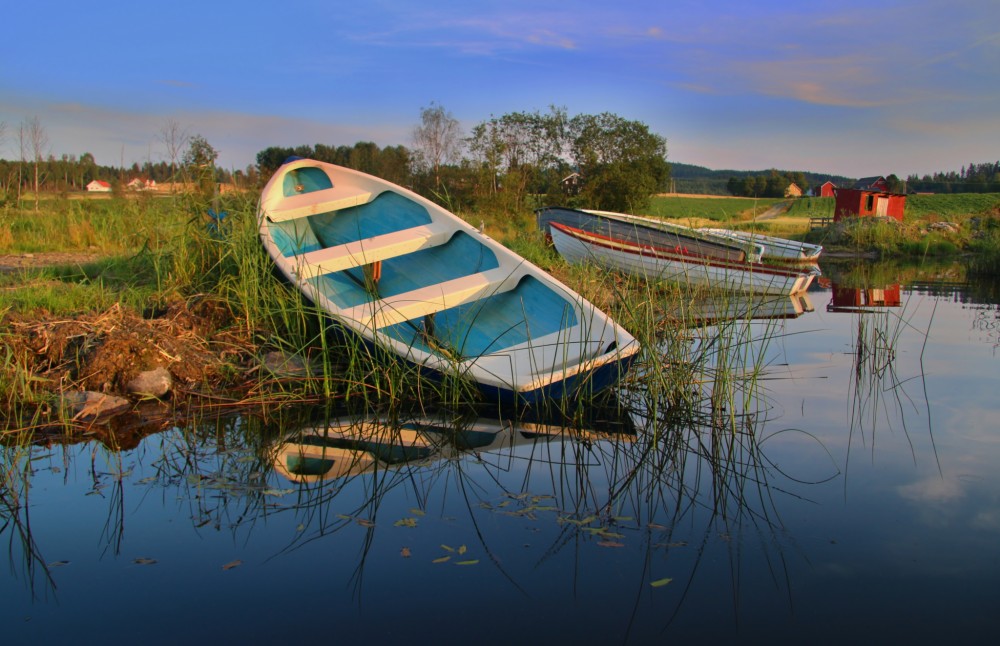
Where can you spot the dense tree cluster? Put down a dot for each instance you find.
(619, 163)
(391, 163)
(773, 184)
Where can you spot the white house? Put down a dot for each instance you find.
(138, 184)
(98, 186)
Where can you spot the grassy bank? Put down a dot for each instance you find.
(169, 290)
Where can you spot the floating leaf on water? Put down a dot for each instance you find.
(364, 522)
(442, 559)
(406, 522)
(659, 583)
(58, 563)
(462, 549)
(194, 478)
(143, 561)
(656, 526)
(405, 553)
(504, 503)
(622, 519)
(147, 480)
(472, 562)
(277, 492)
(232, 564)
(447, 548)
(607, 534)
(610, 544)
(345, 517)
(485, 505)
(300, 528)
(417, 512)
(677, 544)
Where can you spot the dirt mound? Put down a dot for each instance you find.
(195, 341)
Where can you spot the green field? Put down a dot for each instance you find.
(708, 208)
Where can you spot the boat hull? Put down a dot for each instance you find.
(655, 263)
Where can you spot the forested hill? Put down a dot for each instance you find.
(688, 178)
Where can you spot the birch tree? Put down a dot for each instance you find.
(437, 140)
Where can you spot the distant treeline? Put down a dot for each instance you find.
(688, 178)
(72, 173)
(974, 178)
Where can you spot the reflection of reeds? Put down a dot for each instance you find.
(875, 389)
(24, 556)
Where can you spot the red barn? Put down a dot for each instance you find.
(825, 189)
(852, 202)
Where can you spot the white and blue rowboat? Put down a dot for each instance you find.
(673, 265)
(774, 249)
(408, 276)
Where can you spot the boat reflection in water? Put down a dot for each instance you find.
(712, 311)
(347, 447)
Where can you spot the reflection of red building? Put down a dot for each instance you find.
(853, 299)
(853, 202)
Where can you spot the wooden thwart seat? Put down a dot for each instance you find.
(334, 199)
(364, 252)
(433, 298)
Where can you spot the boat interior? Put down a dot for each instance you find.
(384, 260)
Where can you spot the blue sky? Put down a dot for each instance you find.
(850, 88)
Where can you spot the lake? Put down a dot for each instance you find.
(849, 492)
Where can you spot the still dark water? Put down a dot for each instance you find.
(859, 501)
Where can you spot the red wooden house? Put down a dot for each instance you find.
(825, 189)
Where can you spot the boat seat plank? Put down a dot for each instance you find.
(324, 201)
(362, 252)
(432, 298)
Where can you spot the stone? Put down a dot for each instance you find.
(157, 382)
(286, 365)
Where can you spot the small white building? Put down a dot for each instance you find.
(138, 184)
(98, 186)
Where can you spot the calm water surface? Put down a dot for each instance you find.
(860, 500)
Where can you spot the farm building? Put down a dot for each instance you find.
(139, 184)
(852, 202)
(871, 184)
(99, 186)
(825, 189)
(793, 190)
(571, 183)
